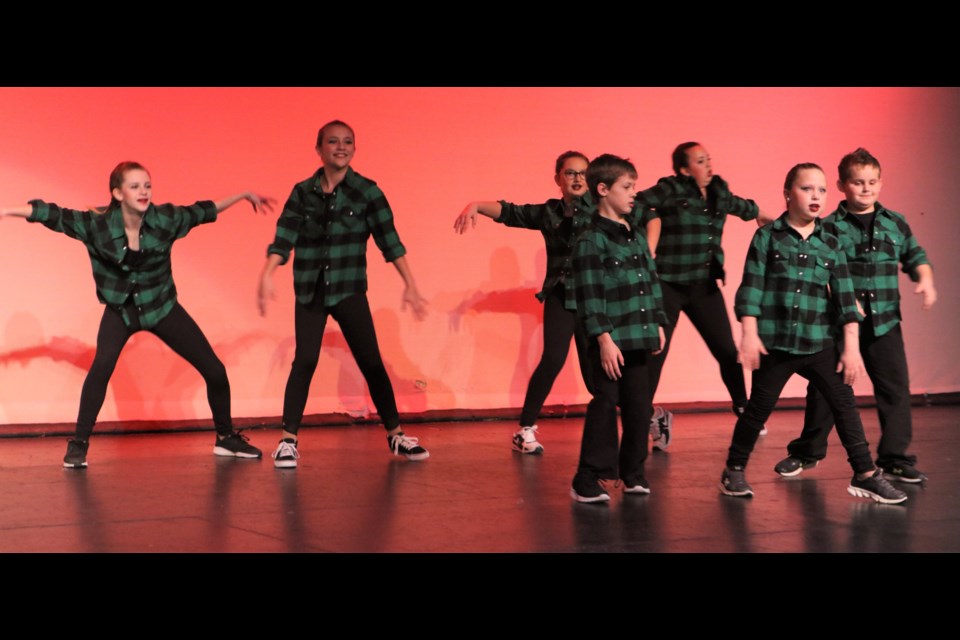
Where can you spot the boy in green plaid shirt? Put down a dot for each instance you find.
(876, 241)
(620, 304)
(795, 287)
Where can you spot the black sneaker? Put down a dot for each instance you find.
(876, 488)
(76, 457)
(637, 486)
(792, 466)
(904, 473)
(409, 448)
(588, 490)
(236, 445)
(286, 455)
(733, 482)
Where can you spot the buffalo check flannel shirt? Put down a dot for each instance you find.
(618, 291)
(873, 258)
(689, 250)
(560, 234)
(798, 290)
(328, 234)
(147, 290)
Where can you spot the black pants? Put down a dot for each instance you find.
(600, 457)
(768, 381)
(180, 333)
(356, 323)
(703, 304)
(559, 325)
(886, 365)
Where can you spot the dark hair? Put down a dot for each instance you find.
(333, 123)
(859, 157)
(116, 179)
(607, 169)
(792, 174)
(563, 157)
(680, 160)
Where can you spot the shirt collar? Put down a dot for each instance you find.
(115, 221)
(348, 179)
(843, 213)
(610, 227)
(780, 224)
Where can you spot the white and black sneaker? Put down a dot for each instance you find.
(407, 447)
(76, 457)
(525, 441)
(661, 424)
(877, 488)
(236, 445)
(286, 455)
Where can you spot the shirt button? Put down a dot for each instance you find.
(801, 273)
(798, 290)
(642, 309)
(796, 306)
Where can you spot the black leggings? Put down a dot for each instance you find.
(180, 333)
(559, 325)
(821, 370)
(703, 304)
(356, 323)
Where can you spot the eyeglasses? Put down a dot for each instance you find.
(569, 174)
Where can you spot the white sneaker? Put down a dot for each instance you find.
(286, 455)
(660, 428)
(525, 441)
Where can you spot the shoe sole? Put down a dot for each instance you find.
(579, 498)
(763, 431)
(636, 491)
(857, 492)
(894, 478)
(285, 464)
(797, 471)
(220, 451)
(414, 456)
(890, 476)
(736, 494)
(70, 465)
(536, 451)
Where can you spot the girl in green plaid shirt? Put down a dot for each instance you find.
(795, 286)
(129, 245)
(327, 223)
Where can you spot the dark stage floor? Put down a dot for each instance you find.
(169, 493)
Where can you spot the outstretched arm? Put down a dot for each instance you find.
(468, 217)
(411, 295)
(261, 204)
(16, 212)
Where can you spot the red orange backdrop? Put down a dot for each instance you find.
(431, 150)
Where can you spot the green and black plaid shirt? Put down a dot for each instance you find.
(147, 290)
(689, 249)
(560, 234)
(329, 233)
(873, 260)
(798, 290)
(618, 291)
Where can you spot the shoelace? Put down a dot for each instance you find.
(406, 441)
(286, 449)
(529, 434)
